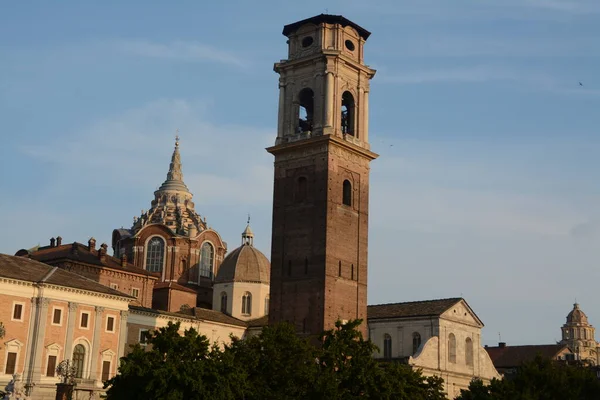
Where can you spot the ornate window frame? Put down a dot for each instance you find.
(164, 255)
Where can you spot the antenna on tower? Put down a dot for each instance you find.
(248, 219)
(499, 337)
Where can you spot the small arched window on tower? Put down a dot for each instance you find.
(207, 255)
(452, 348)
(224, 302)
(416, 336)
(306, 101)
(348, 113)
(301, 189)
(347, 193)
(155, 254)
(247, 304)
(387, 346)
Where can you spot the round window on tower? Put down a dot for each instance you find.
(307, 41)
(349, 45)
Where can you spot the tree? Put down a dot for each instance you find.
(276, 364)
(176, 367)
(540, 379)
(348, 370)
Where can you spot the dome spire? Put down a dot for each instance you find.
(248, 235)
(174, 179)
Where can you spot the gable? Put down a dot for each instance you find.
(462, 313)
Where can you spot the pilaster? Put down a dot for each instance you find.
(70, 329)
(122, 334)
(96, 342)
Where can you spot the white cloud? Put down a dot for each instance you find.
(179, 50)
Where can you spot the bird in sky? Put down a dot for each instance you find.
(580, 84)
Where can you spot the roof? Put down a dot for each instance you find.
(25, 269)
(173, 285)
(577, 316)
(195, 313)
(258, 322)
(514, 356)
(327, 19)
(81, 253)
(245, 264)
(424, 308)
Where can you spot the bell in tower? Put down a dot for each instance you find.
(321, 183)
(324, 83)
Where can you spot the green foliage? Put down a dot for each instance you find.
(178, 367)
(540, 379)
(276, 364)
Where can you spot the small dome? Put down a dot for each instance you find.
(245, 264)
(576, 316)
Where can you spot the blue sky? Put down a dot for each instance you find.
(488, 180)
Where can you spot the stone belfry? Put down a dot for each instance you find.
(321, 184)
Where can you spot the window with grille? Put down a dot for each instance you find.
(155, 254)
(207, 255)
(78, 360)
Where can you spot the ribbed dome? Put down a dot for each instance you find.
(576, 316)
(245, 264)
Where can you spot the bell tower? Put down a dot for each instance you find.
(321, 184)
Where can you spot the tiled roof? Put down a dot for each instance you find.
(411, 309)
(195, 313)
(245, 264)
(514, 356)
(80, 253)
(258, 322)
(173, 285)
(25, 269)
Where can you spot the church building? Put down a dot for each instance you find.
(171, 266)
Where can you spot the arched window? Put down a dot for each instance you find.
(267, 305)
(585, 333)
(416, 342)
(387, 346)
(347, 193)
(452, 348)
(207, 256)
(223, 302)
(566, 334)
(79, 360)
(247, 304)
(155, 254)
(301, 189)
(306, 110)
(469, 351)
(348, 113)
(340, 268)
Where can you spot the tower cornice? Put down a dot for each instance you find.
(320, 140)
